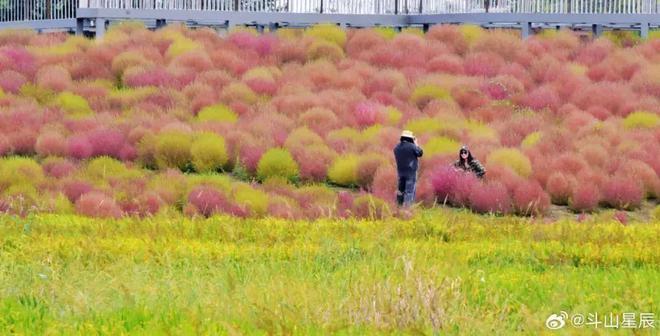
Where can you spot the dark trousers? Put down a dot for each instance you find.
(405, 194)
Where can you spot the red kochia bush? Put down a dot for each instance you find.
(79, 147)
(444, 180)
(450, 64)
(623, 193)
(11, 81)
(490, 198)
(486, 64)
(385, 182)
(146, 205)
(96, 204)
(106, 141)
(155, 76)
(585, 198)
(5, 146)
(59, 169)
(55, 78)
(542, 97)
(207, 200)
(530, 199)
(19, 59)
(465, 183)
(75, 188)
(23, 140)
(367, 113)
(51, 143)
(560, 187)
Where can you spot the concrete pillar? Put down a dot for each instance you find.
(644, 30)
(100, 27)
(80, 26)
(597, 30)
(525, 29)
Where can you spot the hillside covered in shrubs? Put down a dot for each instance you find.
(271, 124)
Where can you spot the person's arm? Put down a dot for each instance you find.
(418, 150)
(479, 169)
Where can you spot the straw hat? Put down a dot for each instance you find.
(407, 134)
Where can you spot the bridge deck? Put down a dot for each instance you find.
(94, 15)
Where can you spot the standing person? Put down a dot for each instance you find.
(469, 164)
(406, 154)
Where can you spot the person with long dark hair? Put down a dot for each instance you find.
(407, 154)
(467, 163)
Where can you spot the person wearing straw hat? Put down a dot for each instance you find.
(407, 154)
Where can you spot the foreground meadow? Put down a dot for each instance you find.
(443, 271)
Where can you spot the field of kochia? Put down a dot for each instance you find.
(442, 272)
(300, 124)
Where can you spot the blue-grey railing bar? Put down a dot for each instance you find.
(393, 6)
(24, 10)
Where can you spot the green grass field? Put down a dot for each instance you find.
(443, 272)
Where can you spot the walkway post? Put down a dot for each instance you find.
(597, 29)
(80, 26)
(525, 29)
(644, 30)
(100, 27)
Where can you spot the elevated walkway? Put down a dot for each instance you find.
(93, 16)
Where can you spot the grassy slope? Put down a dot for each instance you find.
(452, 270)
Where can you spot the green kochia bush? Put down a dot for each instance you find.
(209, 152)
(217, 113)
(173, 150)
(277, 162)
(73, 104)
(255, 200)
(19, 171)
(344, 170)
(19, 180)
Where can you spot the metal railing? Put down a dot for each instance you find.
(393, 6)
(24, 10)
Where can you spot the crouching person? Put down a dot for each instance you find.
(468, 164)
(406, 154)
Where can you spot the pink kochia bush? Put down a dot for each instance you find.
(96, 204)
(490, 198)
(585, 198)
(581, 118)
(530, 199)
(623, 193)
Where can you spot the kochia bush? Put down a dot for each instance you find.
(490, 198)
(512, 158)
(208, 152)
(530, 199)
(623, 193)
(277, 162)
(344, 169)
(73, 104)
(173, 150)
(218, 112)
(585, 198)
(96, 204)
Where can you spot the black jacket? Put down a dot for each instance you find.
(406, 154)
(474, 167)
